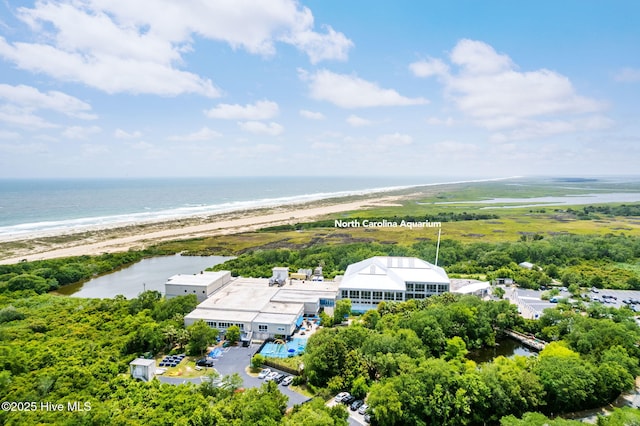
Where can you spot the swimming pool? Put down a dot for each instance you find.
(277, 350)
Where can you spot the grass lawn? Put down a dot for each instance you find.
(186, 369)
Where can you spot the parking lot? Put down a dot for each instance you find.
(532, 306)
(355, 419)
(236, 359)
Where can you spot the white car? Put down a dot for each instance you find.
(363, 409)
(287, 381)
(342, 395)
(271, 376)
(264, 373)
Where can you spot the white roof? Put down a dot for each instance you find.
(391, 273)
(203, 279)
(143, 361)
(472, 288)
(274, 318)
(221, 315)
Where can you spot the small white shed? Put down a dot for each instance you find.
(143, 369)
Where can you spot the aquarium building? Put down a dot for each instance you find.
(262, 308)
(391, 279)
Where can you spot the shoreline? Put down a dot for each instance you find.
(118, 237)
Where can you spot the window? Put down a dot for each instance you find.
(377, 295)
(409, 286)
(389, 295)
(280, 328)
(263, 327)
(398, 295)
(364, 294)
(354, 294)
(419, 287)
(345, 294)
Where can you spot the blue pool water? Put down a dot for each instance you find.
(277, 350)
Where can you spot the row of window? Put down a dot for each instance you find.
(224, 325)
(373, 297)
(265, 327)
(429, 288)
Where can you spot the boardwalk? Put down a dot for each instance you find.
(528, 341)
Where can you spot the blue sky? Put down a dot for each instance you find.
(115, 88)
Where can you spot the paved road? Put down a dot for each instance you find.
(236, 360)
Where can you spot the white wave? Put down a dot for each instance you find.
(189, 211)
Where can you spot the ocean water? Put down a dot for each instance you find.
(34, 206)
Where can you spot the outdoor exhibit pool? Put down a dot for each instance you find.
(282, 349)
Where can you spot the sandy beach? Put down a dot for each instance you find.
(114, 239)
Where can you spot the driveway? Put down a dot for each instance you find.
(236, 359)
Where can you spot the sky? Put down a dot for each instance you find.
(158, 88)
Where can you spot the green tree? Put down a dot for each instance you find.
(498, 292)
(456, 348)
(341, 310)
(233, 334)
(200, 337)
(370, 318)
(257, 360)
(316, 413)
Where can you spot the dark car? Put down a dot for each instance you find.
(356, 404)
(205, 362)
(348, 400)
(279, 378)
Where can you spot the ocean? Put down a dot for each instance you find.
(57, 205)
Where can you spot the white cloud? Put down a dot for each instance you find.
(393, 140)
(356, 121)
(32, 99)
(312, 115)
(121, 134)
(429, 67)
(319, 47)
(260, 128)
(488, 88)
(348, 91)
(143, 42)
(204, 134)
(477, 57)
(628, 75)
(79, 132)
(261, 110)
(22, 117)
(435, 121)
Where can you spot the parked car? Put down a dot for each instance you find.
(363, 409)
(553, 300)
(287, 381)
(348, 400)
(279, 378)
(356, 404)
(342, 395)
(271, 376)
(264, 373)
(204, 362)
